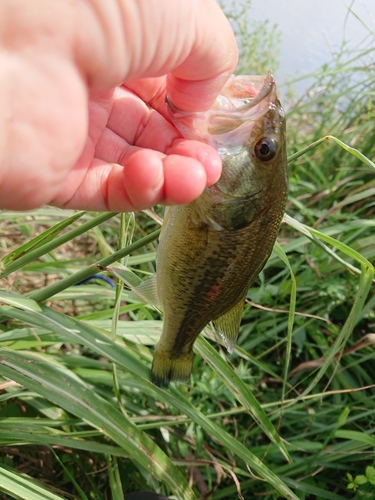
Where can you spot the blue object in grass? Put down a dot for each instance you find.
(97, 277)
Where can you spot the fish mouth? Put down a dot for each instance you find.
(241, 103)
(241, 93)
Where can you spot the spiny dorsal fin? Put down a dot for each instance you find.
(228, 325)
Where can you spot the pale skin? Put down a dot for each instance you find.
(83, 122)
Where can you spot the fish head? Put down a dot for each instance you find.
(246, 126)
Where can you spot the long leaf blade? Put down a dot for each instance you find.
(79, 332)
(35, 372)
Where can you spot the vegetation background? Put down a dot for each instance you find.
(290, 414)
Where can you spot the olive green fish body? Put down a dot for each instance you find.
(212, 249)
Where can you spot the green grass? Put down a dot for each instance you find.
(290, 414)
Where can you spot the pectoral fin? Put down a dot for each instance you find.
(147, 292)
(228, 325)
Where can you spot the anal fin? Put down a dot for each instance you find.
(228, 325)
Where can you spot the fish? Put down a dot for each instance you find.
(212, 249)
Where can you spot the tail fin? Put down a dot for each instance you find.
(168, 367)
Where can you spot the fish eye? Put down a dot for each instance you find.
(265, 149)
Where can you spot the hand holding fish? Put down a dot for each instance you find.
(73, 134)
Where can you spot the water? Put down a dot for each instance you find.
(312, 30)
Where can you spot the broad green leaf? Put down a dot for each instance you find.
(360, 479)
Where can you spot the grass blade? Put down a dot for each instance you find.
(293, 296)
(241, 390)
(47, 241)
(17, 486)
(61, 386)
(79, 332)
(51, 290)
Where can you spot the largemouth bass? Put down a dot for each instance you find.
(212, 249)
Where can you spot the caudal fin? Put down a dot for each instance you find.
(167, 367)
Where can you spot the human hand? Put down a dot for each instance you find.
(83, 122)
